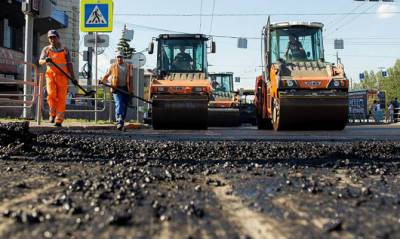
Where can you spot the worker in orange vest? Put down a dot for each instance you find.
(121, 77)
(56, 81)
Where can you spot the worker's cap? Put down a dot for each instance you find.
(53, 33)
(119, 54)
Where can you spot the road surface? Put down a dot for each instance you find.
(219, 183)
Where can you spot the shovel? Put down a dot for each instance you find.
(126, 93)
(87, 93)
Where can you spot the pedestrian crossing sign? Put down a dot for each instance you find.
(96, 15)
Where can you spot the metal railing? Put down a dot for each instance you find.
(396, 114)
(15, 98)
(34, 98)
(45, 108)
(367, 118)
(40, 101)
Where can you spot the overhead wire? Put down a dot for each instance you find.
(249, 37)
(363, 56)
(153, 28)
(248, 14)
(368, 37)
(375, 40)
(212, 16)
(335, 21)
(348, 17)
(371, 43)
(180, 32)
(350, 20)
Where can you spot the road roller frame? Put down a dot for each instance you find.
(298, 88)
(223, 108)
(180, 90)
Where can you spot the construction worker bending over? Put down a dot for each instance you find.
(56, 81)
(121, 77)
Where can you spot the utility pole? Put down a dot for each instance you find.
(29, 19)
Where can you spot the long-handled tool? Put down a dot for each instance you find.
(87, 93)
(125, 92)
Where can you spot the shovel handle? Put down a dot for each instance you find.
(126, 93)
(67, 75)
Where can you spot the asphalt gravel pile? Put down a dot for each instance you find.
(15, 133)
(15, 138)
(95, 186)
(66, 147)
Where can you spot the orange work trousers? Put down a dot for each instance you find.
(57, 89)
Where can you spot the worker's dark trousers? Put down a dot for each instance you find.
(121, 106)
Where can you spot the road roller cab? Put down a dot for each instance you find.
(223, 108)
(180, 89)
(298, 89)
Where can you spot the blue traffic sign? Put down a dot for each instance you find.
(362, 76)
(96, 15)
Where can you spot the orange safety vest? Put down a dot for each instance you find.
(59, 58)
(115, 74)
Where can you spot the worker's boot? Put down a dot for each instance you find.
(120, 123)
(52, 119)
(120, 127)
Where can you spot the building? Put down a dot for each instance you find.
(64, 17)
(69, 34)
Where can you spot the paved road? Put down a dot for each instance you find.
(73, 183)
(350, 133)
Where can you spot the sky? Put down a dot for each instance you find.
(371, 39)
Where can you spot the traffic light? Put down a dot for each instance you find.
(384, 73)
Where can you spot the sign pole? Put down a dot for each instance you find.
(338, 45)
(95, 77)
(351, 83)
(90, 66)
(138, 60)
(137, 91)
(96, 16)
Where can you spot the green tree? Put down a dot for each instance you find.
(370, 80)
(124, 47)
(390, 84)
